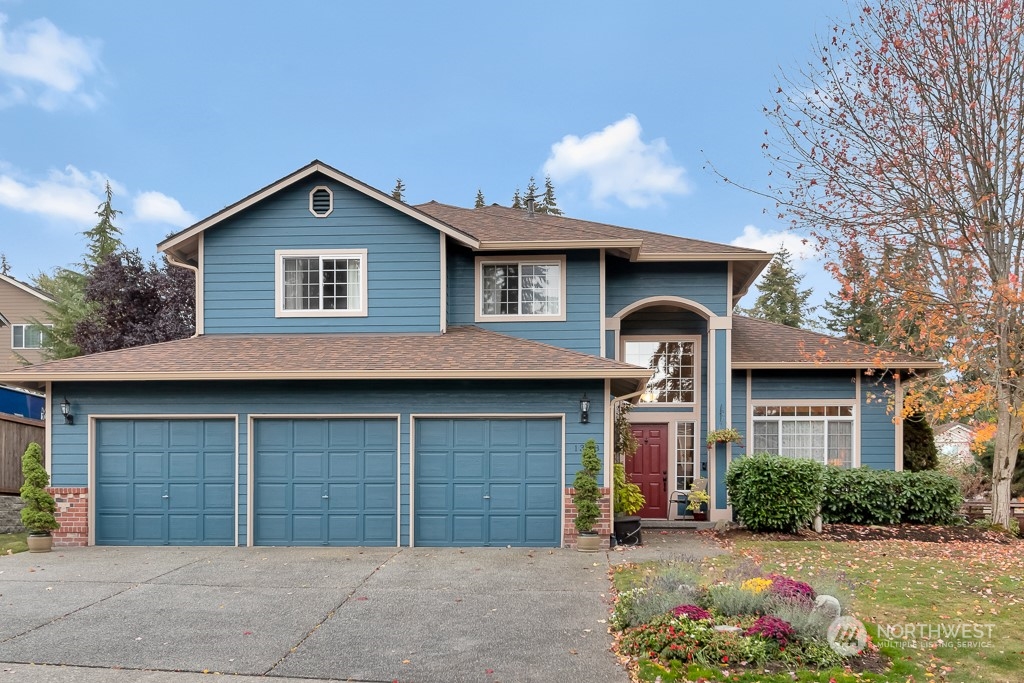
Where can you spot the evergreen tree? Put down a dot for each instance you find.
(479, 203)
(517, 200)
(399, 191)
(548, 203)
(856, 311)
(919, 450)
(5, 266)
(530, 198)
(103, 239)
(781, 299)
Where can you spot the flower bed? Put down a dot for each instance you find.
(674, 618)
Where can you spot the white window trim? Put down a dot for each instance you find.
(481, 261)
(854, 419)
(695, 338)
(330, 194)
(24, 327)
(281, 254)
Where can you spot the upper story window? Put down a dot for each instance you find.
(816, 432)
(676, 366)
(325, 282)
(321, 201)
(28, 336)
(521, 288)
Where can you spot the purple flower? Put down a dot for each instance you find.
(692, 612)
(785, 587)
(771, 628)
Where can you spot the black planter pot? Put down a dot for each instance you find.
(627, 530)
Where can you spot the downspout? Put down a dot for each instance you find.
(195, 270)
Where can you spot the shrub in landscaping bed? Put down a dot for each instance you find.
(771, 628)
(692, 612)
(731, 601)
(775, 493)
(790, 589)
(866, 496)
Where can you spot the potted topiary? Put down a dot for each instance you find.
(628, 501)
(586, 498)
(38, 514)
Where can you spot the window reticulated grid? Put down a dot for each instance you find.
(686, 455)
(521, 289)
(821, 433)
(321, 202)
(341, 287)
(674, 366)
(302, 284)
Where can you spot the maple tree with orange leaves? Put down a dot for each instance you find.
(902, 146)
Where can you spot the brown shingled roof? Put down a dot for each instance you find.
(762, 344)
(461, 353)
(502, 225)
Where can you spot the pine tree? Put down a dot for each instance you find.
(480, 202)
(919, 450)
(856, 311)
(781, 300)
(517, 200)
(399, 191)
(5, 266)
(548, 203)
(104, 239)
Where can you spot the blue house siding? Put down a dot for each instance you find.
(403, 264)
(579, 331)
(878, 432)
(812, 383)
(704, 282)
(70, 442)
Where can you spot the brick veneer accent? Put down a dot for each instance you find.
(604, 522)
(73, 515)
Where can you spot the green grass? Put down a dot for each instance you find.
(896, 582)
(15, 543)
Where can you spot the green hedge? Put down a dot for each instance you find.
(772, 493)
(775, 493)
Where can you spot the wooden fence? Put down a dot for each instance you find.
(979, 510)
(16, 433)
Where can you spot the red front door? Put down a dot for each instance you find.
(648, 468)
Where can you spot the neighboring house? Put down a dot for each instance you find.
(24, 306)
(954, 440)
(367, 372)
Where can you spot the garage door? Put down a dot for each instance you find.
(326, 482)
(165, 482)
(488, 482)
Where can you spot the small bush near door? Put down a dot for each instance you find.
(773, 493)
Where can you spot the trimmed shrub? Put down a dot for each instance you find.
(732, 601)
(862, 496)
(38, 515)
(865, 496)
(587, 493)
(774, 493)
(931, 498)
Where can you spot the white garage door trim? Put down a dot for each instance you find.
(481, 416)
(91, 441)
(250, 461)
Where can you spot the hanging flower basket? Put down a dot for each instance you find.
(728, 435)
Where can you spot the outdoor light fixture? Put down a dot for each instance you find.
(584, 409)
(65, 409)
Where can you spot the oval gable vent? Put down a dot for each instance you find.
(321, 202)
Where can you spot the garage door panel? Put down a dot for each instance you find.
(272, 496)
(273, 529)
(478, 482)
(154, 485)
(184, 465)
(468, 465)
(334, 475)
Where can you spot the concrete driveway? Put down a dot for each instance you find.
(352, 614)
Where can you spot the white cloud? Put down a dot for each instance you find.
(800, 248)
(156, 207)
(42, 65)
(69, 194)
(619, 165)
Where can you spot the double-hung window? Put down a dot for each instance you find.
(28, 336)
(321, 282)
(815, 432)
(529, 288)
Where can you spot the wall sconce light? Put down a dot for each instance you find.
(65, 409)
(584, 409)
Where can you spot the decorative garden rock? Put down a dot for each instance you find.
(828, 605)
(726, 628)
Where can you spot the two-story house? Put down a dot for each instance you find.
(366, 372)
(22, 326)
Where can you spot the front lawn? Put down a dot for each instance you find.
(935, 611)
(15, 543)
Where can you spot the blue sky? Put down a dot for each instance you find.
(188, 106)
